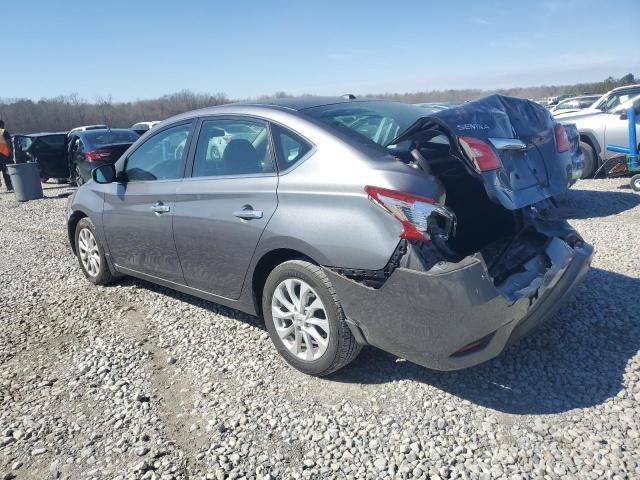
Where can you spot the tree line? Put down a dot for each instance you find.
(533, 93)
(65, 112)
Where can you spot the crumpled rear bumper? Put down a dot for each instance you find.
(426, 317)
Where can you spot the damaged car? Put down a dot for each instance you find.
(433, 236)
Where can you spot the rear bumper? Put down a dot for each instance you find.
(426, 317)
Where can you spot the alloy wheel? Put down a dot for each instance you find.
(300, 319)
(89, 252)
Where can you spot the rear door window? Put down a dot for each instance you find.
(228, 146)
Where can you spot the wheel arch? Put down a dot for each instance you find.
(72, 223)
(590, 139)
(267, 262)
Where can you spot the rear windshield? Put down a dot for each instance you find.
(378, 122)
(110, 137)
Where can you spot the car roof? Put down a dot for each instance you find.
(630, 87)
(95, 131)
(41, 134)
(301, 103)
(279, 104)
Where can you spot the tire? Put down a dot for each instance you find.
(340, 346)
(635, 183)
(96, 270)
(77, 176)
(589, 160)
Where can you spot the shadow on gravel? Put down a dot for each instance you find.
(60, 195)
(191, 300)
(576, 360)
(582, 204)
(47, 186)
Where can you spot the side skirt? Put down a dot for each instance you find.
(227, 302)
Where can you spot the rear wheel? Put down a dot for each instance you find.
(77, 176)
(305, 320)
(90, 254)
(635, 183)
(589, 160)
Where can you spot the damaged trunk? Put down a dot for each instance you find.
(500, 161)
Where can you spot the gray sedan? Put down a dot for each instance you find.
(347, 223)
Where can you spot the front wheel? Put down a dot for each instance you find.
(305, 320)
(635, 183)
(90, 254)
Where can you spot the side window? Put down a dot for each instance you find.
(160, 157)
(232, 147)
(290, 147)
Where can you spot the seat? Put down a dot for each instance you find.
(240, 157)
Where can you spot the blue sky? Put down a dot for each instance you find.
(144, 49)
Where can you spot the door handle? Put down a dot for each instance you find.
(248, 213)
(508, 144)
(160, 208)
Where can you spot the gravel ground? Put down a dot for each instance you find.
(136, 381)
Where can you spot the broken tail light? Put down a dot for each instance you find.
(481, 153)
(562, 139)
(421, 217)
(97, 155)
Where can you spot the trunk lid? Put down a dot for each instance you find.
(116, 149)
(520, 133)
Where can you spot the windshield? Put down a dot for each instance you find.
(634, 102)
(378, 122)
(611, 101)
(99, 138)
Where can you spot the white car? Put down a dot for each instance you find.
(86, 127)
(598, 128)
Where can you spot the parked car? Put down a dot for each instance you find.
(88, 149)
(617, 96)
(554, 100)
(574, 104)
(86, 127)
(47, 149)
(436, 242)
(601, 128)
(142, 127)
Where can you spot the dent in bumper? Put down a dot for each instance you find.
(426, 317)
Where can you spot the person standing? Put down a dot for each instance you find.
(6, 153)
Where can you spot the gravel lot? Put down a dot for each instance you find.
(136, 381)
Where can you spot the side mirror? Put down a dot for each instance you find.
(104, 173)
(624, 115)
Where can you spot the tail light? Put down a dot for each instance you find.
(481, 153)
(420, 216)
(97, 155)
(562, 139)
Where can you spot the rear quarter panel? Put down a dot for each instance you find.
(323, 210)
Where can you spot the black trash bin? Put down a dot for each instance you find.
(26, 180)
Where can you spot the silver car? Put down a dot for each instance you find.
(347, 223)
(597, 129)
